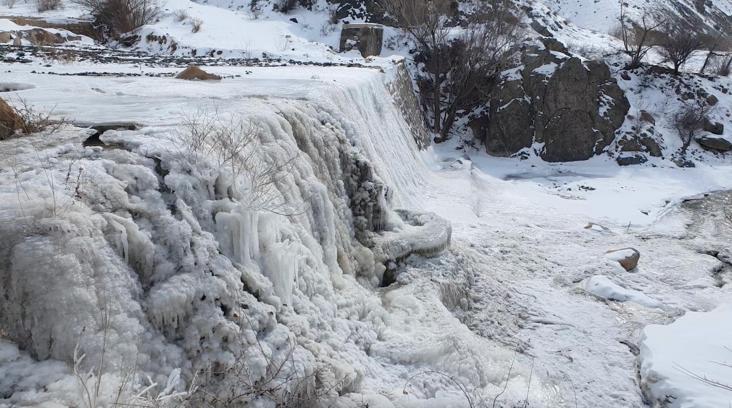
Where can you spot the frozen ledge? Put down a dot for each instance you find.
(424, 234)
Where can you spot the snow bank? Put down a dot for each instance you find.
(678, 361)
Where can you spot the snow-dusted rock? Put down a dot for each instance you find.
(627, 257)
(570, 105)
(719, 144)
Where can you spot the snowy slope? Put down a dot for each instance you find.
(602, 15)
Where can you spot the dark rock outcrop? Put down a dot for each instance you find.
(718, 144)
(572, 107)
(713, 127)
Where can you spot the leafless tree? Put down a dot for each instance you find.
(712, 44)
(636, 37)
(678, 41)
(121, 16)
(722, 65)
(688, 120)
(458, 62)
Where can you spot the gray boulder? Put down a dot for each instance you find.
(713, 127)
(718, 144)
(572, 107)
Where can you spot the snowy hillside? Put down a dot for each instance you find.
(602, 15)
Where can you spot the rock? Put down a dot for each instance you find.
(627, 257)
(5, 37)
(10, 121)
(712, 100)
(367, 38)
(640, 143)
(100, 128)
(647, 117)
(294, 20)
(631, 160)
(713, 127)
(552, 44)
(718, 144)
(571, 106)
(625, 75)
(195, 73)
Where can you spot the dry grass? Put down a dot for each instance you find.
(24, 119)
(194, 73)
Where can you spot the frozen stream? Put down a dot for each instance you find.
(503, 315)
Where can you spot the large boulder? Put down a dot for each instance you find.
(10, 121)
(572, 107)
(715, 128)
(714, 143)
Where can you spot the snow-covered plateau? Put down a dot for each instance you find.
(284, 237)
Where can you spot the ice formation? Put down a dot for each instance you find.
(152, 256)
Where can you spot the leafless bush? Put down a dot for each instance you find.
(712, 43)
(121, 16)
(180, 15)
(233, 143)
(459, 70)
(151, 395)
(285, 6)
(46, 5)
(196, 24)
(255, 7)
(688, 120)
(29, 120)
(722, 65)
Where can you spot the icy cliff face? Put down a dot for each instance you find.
(167, 255)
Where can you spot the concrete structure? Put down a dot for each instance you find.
(367, 38)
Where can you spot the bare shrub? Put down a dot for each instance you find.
(196, 24)
(233, 144)
(285, 6)
(459, 70)
(721, 65)
(180, 15)
(47, 5)
(688, 120)
(255, 7)
(121, 16)
(24, 119)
